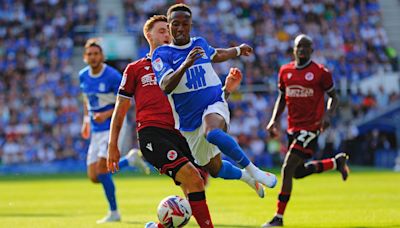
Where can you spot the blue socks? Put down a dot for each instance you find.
(123, 162)
(228, 146)
(229, 171)
(108, 184)
(109, 189)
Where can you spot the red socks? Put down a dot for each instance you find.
(200, 210)
(283, 199)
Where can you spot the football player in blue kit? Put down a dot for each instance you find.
(184, 71)
(99, 84)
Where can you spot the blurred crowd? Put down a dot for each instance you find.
(349, 39)
(348, 35)
(40, 113)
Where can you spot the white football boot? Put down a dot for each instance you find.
(135, 159)
(265, 178)
(112, 216)
(252, 183)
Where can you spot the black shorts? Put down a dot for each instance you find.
(166, 150)
(303, 143)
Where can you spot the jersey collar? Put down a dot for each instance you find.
(183, 46)
(304, 65)
(98, 74)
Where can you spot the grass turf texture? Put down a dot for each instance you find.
(370, 198)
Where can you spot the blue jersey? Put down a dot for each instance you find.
(100, 91)
(199, 87)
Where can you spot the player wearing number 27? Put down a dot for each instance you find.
(302, 85)
(184, 71)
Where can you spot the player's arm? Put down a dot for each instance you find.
(118, 115)
(85, 130)
(333, 100)
(279, 107)
(331, 106)
(100, 117)
(232, 81)
(223, 54)
(170, 82)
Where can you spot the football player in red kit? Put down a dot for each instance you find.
(302, 85)
(161, 144)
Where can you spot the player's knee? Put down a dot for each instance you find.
(93, 178)
(213, 171)
(197, 182)
(193, 180)
(214, 166)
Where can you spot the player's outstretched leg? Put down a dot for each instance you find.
(231, 148)
(319, 166)
(226, 170)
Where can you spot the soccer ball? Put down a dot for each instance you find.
(174, 211)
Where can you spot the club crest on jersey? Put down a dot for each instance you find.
(172, 155)
(158, 64)
(309, 76)
(102, 87)
(289, 75)
(146, 67)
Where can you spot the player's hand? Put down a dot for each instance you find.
(272, 129)
(85, 130)
(196, 53)
(232, 81)
(113, 156)
(245, 49)
(100, 117)
(325, 122)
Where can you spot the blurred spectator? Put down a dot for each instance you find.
(111, 23)
(38, 103)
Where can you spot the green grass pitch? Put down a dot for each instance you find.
(369, 198)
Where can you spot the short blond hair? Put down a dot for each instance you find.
(148, 26)
(93, 42)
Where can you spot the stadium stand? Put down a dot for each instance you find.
(349, 39)
(40, 114)
(38, 93)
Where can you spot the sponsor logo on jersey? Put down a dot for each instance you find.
(309, 76)
(299, 91)
(172, 155)
(148, 80)
(158, 64)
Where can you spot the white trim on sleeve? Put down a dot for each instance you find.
(165, 74)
